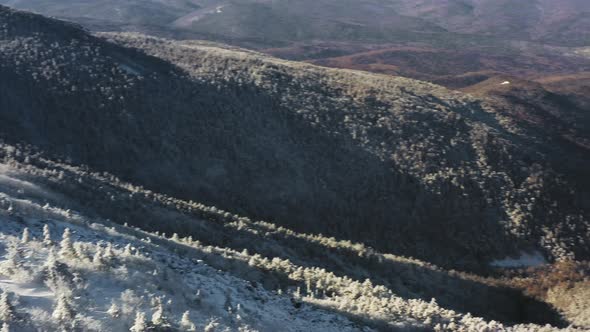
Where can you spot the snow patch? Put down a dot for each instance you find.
(505, 83)
(29, 293)
(524, 260)
(129, 70)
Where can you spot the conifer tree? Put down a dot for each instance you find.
(186, 322)
(66, 247)
(114, 310)
(63, 310)
(7, 311)
(109, 253)
(47, 236)
(140, 324)
(14, 260)
(211, 326)
(98, 259)
(26, 236)
(159, 317)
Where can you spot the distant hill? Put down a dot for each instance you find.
(443, 66)
(561, 22)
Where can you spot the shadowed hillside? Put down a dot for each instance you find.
(404, 166)
(388, 203)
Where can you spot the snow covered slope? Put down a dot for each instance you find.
(69, 271)
(62, 267)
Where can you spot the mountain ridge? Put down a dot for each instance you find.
(389, 203)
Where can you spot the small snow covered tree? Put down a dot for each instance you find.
(63, 310)
(47, 236)
(26, 236)
(66, 247)
(98, 259)
(14, 260)
(159, 317)
(109, 253)
(7, 311)
(140, 324)
(114, 310)
(211, 326)
(50, 269)
(51, 261)
(186, 322)
(5, 327)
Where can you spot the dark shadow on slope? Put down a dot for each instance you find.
(409, 280)
(238, 149)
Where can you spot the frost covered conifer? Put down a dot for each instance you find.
(114, 311)
(98, 259)
(14, 260)
(186, 322)
(63, 310)
(47, 236)
(26, 236)
(211, 326)
(5, 327)
(140, 324)
(51, 261)
(66, 247)
(7, 311)
(50, 269)
(109, 253)
(159, 317)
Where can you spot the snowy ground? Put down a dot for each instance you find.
(61, 270)
(102, 278)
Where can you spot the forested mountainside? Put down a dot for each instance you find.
(447, 42)
(82, 250)
(406, 167)
(69, 270)
(150, 184)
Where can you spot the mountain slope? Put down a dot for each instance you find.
(405, 166)
(104, 275)
(225, 273)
